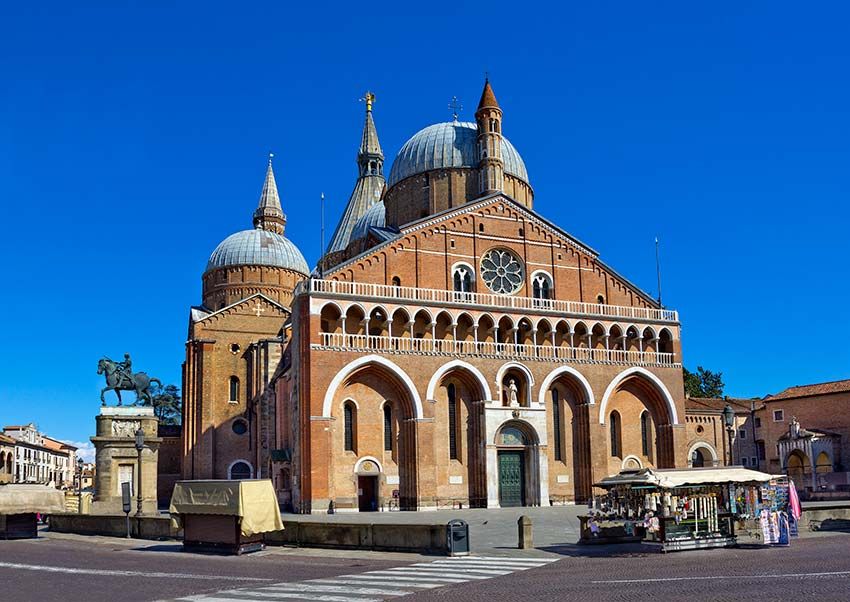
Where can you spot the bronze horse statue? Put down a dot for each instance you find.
(119, 380)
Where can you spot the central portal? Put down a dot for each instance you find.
(511, 478)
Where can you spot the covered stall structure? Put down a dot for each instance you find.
(225, 515)
(676, 509)
(20, 506)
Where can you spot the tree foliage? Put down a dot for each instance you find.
(703, 383)
(167, 404)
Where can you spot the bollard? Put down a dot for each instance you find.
(526, 538)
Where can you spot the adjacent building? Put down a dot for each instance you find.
(7, 459)
(41, 459)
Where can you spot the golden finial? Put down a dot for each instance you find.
(369, 99)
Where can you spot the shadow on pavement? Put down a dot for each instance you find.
(601, 551)
(833, 524)
(165, 547)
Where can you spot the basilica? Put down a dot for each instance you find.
(452, 347)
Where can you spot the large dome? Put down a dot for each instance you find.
(258, 247)
(375, 216)
(445, 145)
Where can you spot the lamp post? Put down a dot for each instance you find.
(729, 421)
(140, 445)
(79, 485)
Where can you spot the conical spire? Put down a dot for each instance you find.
(269, 214)
(488, 98)
(369, 144)
(367, 190)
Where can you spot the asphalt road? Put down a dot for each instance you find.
(109, 570)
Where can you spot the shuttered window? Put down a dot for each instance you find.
(616, 446)
(644, 433)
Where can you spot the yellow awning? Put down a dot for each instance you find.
(253, 501)
(26, 499)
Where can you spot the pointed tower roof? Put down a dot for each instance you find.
(488, 98)
(269, 214)
(369, 187)
(369, 144)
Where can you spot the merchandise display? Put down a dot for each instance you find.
(689, 508)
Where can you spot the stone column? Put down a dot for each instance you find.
(117, 458)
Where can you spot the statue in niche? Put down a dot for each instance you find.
(512, 394)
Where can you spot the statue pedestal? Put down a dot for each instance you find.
(117, 459)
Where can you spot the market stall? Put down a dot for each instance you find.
(679, 509)
(20, 506)
(226, 516)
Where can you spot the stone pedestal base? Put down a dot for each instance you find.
(118, 460)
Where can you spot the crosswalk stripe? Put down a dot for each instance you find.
(430, 573)
(380, 581)
(464, 569)
(338, 589)
(475, 573)
(511, 559)
(421, 578)
(482, 565)
(230, 596)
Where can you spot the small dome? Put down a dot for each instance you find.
(258, 247)
(375, 216)
(450, 144)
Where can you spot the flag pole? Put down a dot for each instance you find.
(322, 236)
(658, 269)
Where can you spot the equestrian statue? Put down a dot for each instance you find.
(120, 377)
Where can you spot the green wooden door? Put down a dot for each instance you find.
(511, 479)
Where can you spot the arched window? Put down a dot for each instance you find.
(541, 286)
(240, 470)
(452, 393)
(556, 422)
(388, 427)
(600, 299)
(234, 389)
(396, 281)
(644, 433)
(462, 279)
(616, 435)
(349, 424)
(697, 459)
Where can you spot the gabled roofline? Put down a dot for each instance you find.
(475, 204)
(218, 311)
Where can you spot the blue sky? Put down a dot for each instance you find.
(133, 138)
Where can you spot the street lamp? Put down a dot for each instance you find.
(729, 421)
(140, 445)
(79, 485)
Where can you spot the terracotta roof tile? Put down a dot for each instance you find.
(488, 97)
(716, 404)
(836, 386)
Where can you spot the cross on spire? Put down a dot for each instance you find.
(456, 107)
(369, 99)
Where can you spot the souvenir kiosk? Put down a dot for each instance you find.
(676, 509)
(225, 516)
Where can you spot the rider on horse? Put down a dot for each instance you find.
(124, 369)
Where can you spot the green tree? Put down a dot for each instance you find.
(167, 404)
(703, 383)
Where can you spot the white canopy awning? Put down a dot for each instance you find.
(682, 477)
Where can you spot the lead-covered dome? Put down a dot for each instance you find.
(375, 217)
(447, 145)
(258, 247)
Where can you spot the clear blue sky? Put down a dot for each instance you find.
(133, 139)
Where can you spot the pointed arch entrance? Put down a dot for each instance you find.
(636, 409)
(567, 397)
(460, 392)
(379, 390)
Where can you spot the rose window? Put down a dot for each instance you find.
(501, 271)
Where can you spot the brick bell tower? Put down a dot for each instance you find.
(491, 167)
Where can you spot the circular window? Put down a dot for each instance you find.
(501, 271)
(700, 429)
(240, 427)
